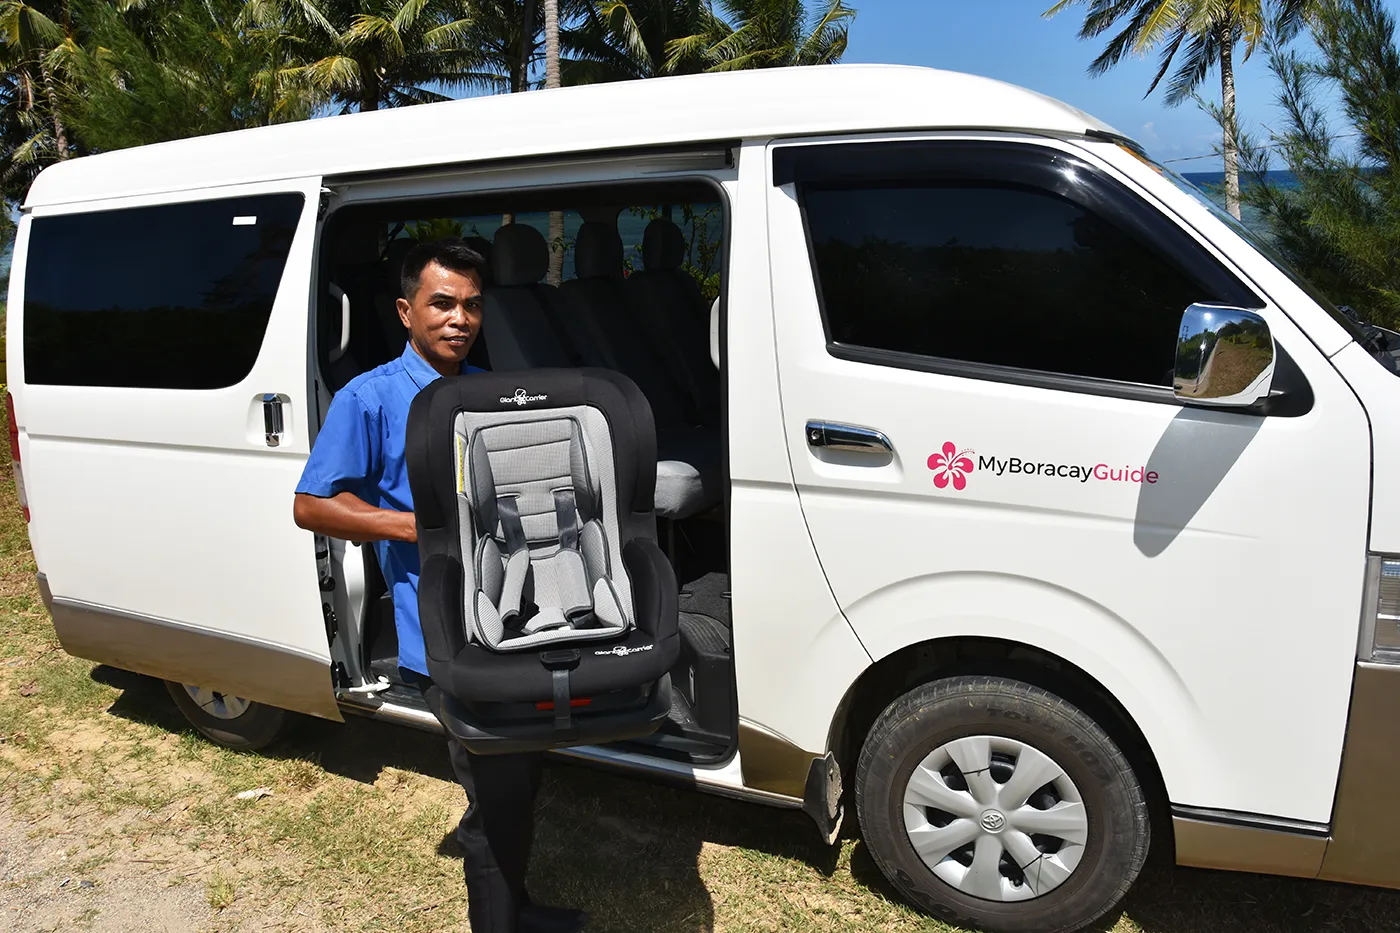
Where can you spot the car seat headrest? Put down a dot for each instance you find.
(597, 251)
(519, 255)
(663, 245)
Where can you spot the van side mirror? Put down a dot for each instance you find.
(1224, 357)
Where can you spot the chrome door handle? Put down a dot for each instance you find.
(272, 418)
(831, 436)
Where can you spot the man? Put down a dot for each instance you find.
(355, 487)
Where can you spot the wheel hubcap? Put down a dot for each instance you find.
(995, 818)
(216, 704)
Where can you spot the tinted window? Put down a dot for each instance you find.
(999, 273)
(170, 297)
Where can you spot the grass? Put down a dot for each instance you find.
(220, 892)
(357, 831)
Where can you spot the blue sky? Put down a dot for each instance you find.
(1008, 40)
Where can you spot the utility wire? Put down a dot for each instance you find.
(1270, 147)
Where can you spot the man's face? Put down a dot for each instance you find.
(444, 316)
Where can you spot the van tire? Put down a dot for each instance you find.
(256, 727)
(917, 729)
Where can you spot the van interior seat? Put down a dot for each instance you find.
(386, 312)
(518, 321)
(688, 471)
(667, 304)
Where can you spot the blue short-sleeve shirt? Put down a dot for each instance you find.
(360, 450)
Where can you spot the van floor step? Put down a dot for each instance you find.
(704, 635)
(709, 596)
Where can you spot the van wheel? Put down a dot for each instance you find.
(992, 803)
(227, 720)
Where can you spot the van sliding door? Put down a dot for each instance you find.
(159, 372)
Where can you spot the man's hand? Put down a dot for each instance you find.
(350, 518)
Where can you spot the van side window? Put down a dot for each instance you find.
(175, 296)
(990, 264)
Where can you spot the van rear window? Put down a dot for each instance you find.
(175, 296)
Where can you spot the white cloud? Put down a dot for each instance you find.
(1149, 132)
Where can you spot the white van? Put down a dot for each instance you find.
(1029, 507)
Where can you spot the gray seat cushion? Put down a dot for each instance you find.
(689, 472)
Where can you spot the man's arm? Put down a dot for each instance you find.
(347, 516)
(341, 474)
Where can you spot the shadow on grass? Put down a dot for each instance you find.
(625, 850)
(628, 851)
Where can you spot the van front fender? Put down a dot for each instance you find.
(1054, 620)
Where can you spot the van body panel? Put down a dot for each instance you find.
(1365, 844)
(1379, 391)
(1201, 601)
(1234, 847)
(169, 504)
(602, 117)
(794, 652)
(226, 663)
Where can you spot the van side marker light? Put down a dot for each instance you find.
(245, 220)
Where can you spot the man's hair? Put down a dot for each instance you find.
(451, 254)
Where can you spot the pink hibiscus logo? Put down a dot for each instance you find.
(951, 465)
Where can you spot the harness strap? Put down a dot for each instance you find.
(563, 711)
(515, 608)
(566, 518)
(509, 509)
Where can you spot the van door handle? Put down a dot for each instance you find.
(272, 418)
(830, 436)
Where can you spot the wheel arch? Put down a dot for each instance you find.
(924, 662)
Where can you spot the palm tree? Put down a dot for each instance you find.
(367, 55)
(179, 68)
(551, 80)
(34, 41)
(1210, 30)
(620, 40)
(766, 34)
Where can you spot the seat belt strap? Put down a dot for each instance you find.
(566, 518)
(563, 710)
(508, 507)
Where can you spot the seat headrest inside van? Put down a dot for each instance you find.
(597, 251)
(519, 255)
(663, 245)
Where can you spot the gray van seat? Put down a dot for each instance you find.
(688, 471)
(391, 334)
(667, 304)
(517, 323)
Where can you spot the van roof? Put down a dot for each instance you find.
(630, 114)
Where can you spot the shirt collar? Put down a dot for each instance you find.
(418, 369)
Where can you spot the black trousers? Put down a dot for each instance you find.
(496, 831)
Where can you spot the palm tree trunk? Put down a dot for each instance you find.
(521, 79)
(60, 136)
(551, 43)
(1227, 94)
(369, 85)
(551, 79)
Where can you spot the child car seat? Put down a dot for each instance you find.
(549, 613)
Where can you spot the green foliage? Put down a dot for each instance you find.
(1189, 33)
(1339, 225)
(619, 40)
(765, 34)
(439, 228)
(367, 54)
(170, 70)
(702, 226)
